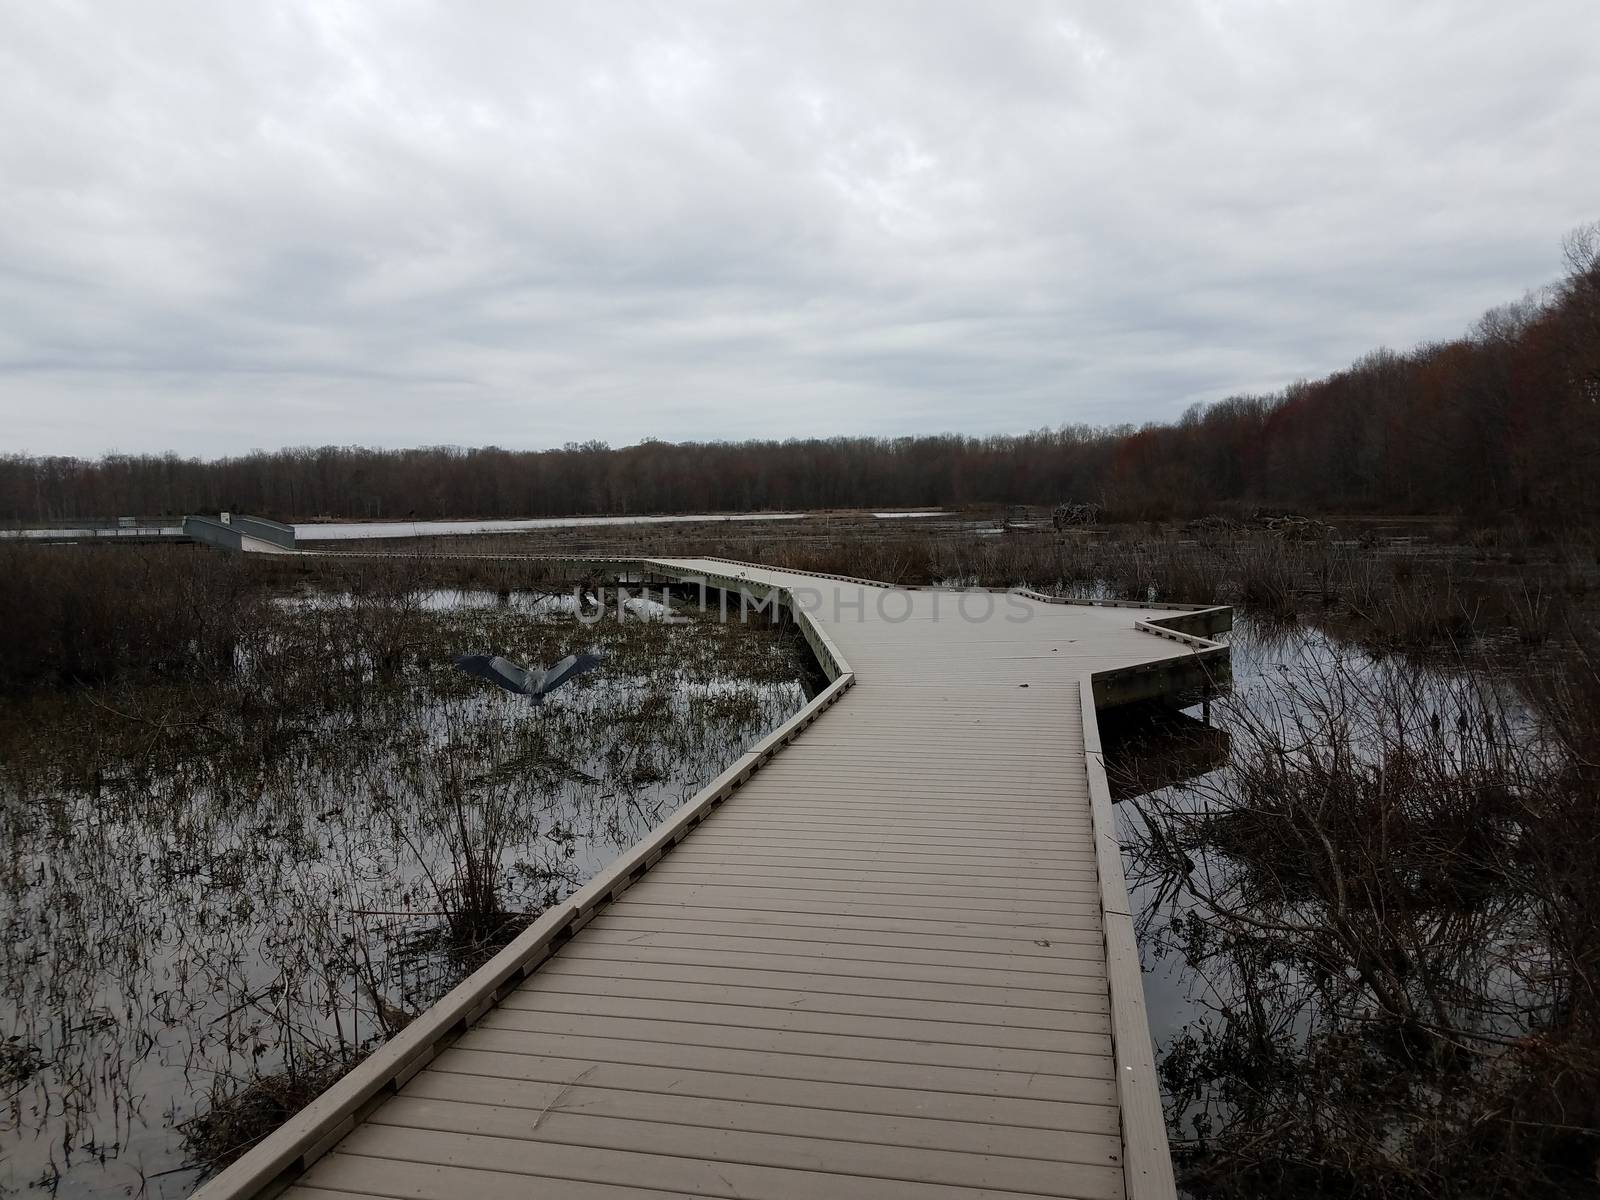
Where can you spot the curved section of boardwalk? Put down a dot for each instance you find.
(877, 966)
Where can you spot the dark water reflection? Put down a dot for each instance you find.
(1192, 748)
(1335, 1005)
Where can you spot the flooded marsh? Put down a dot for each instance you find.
(225, 884)
(257, 822)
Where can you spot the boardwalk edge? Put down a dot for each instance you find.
(1146, 1157)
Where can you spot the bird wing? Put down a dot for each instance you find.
(571, 665)
(496, 670)
(514, 677)
(477, 664)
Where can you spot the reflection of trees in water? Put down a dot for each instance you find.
(1388, 904)
(268, 875)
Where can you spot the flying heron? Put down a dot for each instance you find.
(535, 682)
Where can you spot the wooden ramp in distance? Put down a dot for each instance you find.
(888, 954)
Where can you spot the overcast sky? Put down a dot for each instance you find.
(236, 225)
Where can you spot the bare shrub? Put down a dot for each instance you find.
(81, 614)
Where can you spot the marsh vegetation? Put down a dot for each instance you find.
(259, 822)
(1374, 932)
(256, 821)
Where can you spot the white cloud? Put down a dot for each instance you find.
(226, 226)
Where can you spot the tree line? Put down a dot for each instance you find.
(1504, 419)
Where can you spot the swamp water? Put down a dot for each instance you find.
(200, 890)
(1345, 928)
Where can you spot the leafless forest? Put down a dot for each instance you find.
(1502, 419)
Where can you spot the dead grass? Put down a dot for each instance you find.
(238, 1116)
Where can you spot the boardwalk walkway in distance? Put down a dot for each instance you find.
(887, 954)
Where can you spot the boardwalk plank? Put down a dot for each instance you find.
(579, 989)
(833, 1120)
(1066, 959)
(565, 1123)
(1089, 1107)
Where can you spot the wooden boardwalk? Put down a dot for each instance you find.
(887, 954)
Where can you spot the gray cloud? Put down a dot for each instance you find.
(228, 226)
